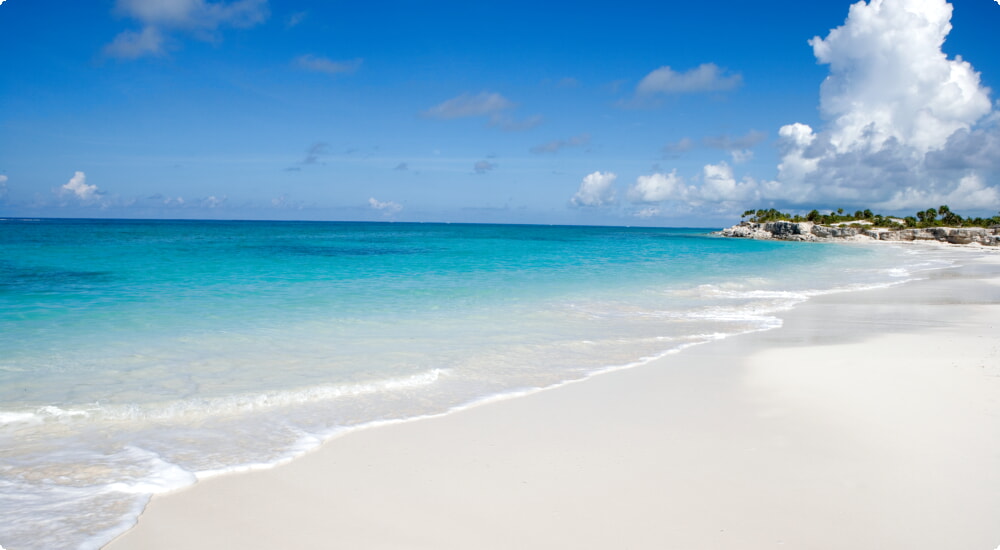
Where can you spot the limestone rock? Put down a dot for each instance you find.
(808, 231)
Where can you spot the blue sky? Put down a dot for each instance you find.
(632, 113)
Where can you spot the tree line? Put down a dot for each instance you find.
(939, 217)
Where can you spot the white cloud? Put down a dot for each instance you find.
(3, 178)
(466, 105)
(213, 201)
(194, 14)
(647, 212)
(555, 145)
(970, 192)
(77, 186)
(707, 77)
(741, 155)
(486, 104)
(595, 190)
(132, 44)
(658, 188)
(323, 65)
(199, 17)
(388, 208)
(719, 185)
(904, 124)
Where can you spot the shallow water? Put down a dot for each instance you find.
(141, 356)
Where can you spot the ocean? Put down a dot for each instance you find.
(141, 356)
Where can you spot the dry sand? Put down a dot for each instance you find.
(870, 420)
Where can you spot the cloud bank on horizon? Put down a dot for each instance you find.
(904, 126)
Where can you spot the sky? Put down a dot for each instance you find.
(631, 113)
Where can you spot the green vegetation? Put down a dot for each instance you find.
(942, 217)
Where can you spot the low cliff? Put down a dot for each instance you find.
(808, 231)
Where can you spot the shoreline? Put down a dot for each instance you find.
(720, 428)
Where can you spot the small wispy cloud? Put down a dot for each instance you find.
(320, 64)
(510, 124)
(674, 149)
(294, 19)
(730, 143)
(484, 166)
(213, 201)
(402, 167)
(135, 44)
(387, 208)
(555, 145)
(467, 105)
(707, 77)
(315, 151)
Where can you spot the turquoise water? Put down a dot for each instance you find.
(140, 356)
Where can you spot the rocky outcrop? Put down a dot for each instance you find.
(808, 231)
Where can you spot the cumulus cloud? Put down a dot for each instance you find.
(595, 190)
(319, 64)
(388, 208)
(717, 184)
(200, 18)
(467, 105)
(555, 145)
(707, 77)
(657, 188)
(77, 187)
(483, 166)
(904, 124)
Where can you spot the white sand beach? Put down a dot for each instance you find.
(869, 420)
